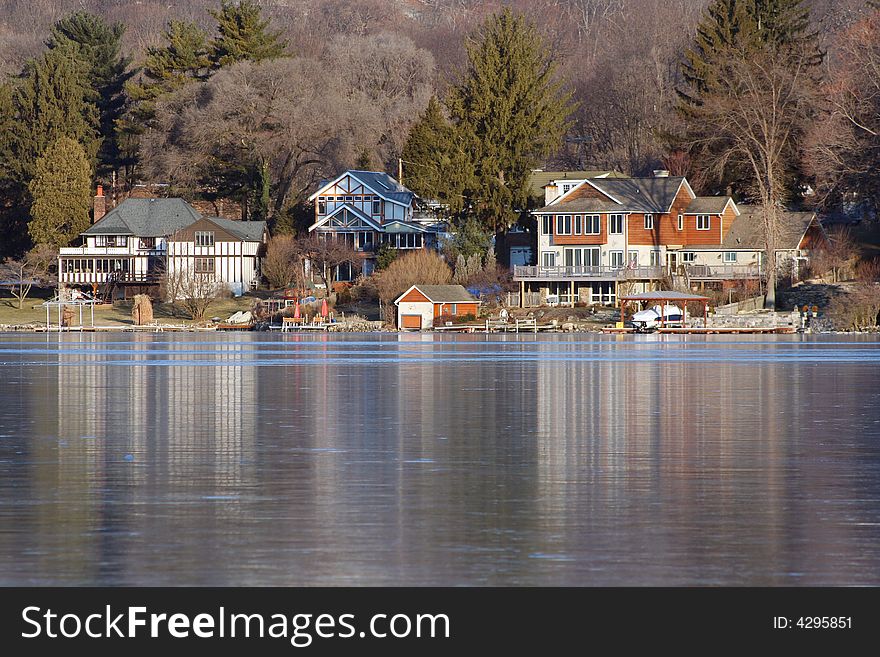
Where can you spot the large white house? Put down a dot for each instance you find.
(367, 209)
(135, 244)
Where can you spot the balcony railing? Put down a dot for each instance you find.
(538, 272)
(108, 251)
(722, 272)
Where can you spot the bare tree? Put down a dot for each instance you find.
(283, 263)
(754, 122)
(326, 254)
(193, 292)
(29, 270)
(844, 146)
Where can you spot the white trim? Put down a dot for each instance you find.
(335, 182)
(345, 206)
(416, 287)
(420, 228)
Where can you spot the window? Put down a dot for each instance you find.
(563, 224)
(704, 222)
(147, 243)
(548, 259)
(591, 224)
(349, 198)
(730, 256)
(615, 224)
(365, 240)
(582, 257)
(205, 238)
(616, 258)
(688, 256)
(681, 222)
(578, 226)
(649, 222)
(547, 224)
(377, 206)
(566, 189)
(655, 258)
(633, 258)
(204, 265)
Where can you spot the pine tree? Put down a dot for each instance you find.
(743, 29)
(50, 102)
(436, 164)
(61, 192)
(510, 111)
(460, 275)
(244, 35)
(183, 58)
(98, 44)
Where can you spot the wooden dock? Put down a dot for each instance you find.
(708, 330)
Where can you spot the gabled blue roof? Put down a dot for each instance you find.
(384, 185)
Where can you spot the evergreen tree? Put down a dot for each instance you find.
(167, 68)
(61, 192)
(739, 30)
(243, 34)
(364, 161)
(437, 166)
(744, 29)
(182, 59)
(510, 111)
(98, 44)
(50, 101)
(258, 209)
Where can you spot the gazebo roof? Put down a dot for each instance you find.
(668, 295)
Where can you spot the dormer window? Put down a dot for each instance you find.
(704, 222)
(204, 238)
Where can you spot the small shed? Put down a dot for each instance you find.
(421, 305)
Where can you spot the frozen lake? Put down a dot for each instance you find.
(384, 459)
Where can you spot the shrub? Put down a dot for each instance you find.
(857, 309)
(419, 267)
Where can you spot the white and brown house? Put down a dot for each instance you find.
(366, 209)
(423, 306)
(133, 245)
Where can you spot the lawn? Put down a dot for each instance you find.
(118, 315)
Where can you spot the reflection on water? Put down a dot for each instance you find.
(422, 459)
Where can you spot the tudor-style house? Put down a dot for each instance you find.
(366, 209)
(129, 249)
(605, 231)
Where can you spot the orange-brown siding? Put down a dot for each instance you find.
(814, 238)
(461, 309)
(587, 191)
(415, 295)
(601, 238)
(729, 216)
(636, 233)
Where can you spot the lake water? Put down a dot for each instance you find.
(258, 459)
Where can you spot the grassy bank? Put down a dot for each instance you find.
(118, 315)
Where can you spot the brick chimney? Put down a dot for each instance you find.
(100, 204)
(551, 192)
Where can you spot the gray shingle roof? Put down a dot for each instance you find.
(247, 231)
(654, 195)
(447, 293)
(384, 185)
(582, 205)
(747, 231)
(145, 217)
(707, 205)
(641, 194)
(160, 217)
